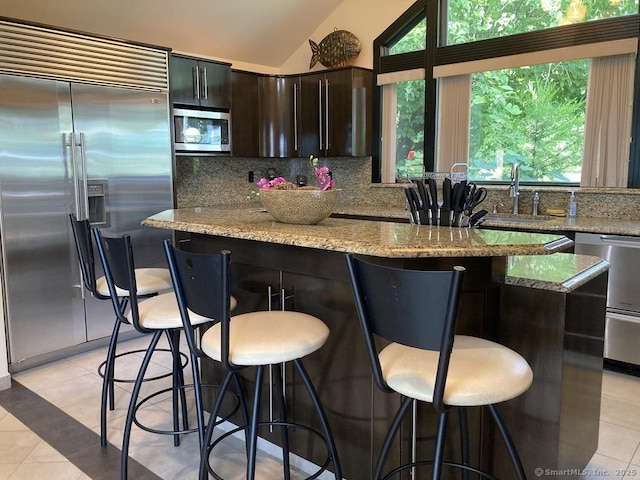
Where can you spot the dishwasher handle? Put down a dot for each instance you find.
(629, 242)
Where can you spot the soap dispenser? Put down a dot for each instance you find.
(573, 206)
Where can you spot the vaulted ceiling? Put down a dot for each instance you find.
(262, 32)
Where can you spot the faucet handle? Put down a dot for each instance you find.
(495, 207)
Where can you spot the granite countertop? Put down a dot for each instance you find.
(564, 274)
(544, 223)
(365, 237)
(608, 226)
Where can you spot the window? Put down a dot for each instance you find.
(408, 150)
(470, 21)
(413, 41)
(403, 100)
(516, 105)
(533, 116)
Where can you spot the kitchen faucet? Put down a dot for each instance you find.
(514, 189)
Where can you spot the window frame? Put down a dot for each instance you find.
(437, 54)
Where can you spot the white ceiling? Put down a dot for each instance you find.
(262, 32)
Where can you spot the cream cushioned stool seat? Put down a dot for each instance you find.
(257, 340)
(481, 372)
(264, 338)
(421, 358)
(149, 281)
(161, 312)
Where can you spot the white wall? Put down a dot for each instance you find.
(366, 19)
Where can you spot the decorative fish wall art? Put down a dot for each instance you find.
(338, 49)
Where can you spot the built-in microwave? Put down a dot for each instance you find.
(201, 131)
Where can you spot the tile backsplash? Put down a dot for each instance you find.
(202, 181)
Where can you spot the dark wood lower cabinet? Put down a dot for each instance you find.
(555, 423)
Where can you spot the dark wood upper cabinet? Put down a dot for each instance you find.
(335, 118)
(200, 83)
(279, 111)
(322, 114)
(245, 123)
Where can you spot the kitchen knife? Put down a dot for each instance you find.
(412, 205)
(426, 204)
(445, 210)
(421, 214)
(459, 190)
(433, 192)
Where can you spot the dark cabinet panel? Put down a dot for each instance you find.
(244, 112)
(322, 114)
(200, 83)
(278, 119)
(314, 282)
(336, 113)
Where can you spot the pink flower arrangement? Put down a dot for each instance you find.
(324, 178)
(279, 183)
(269, 184)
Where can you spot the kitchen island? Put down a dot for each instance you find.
(519, 290)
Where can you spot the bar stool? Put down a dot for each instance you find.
(149, 281)
(256, 339)
(158, 315)
(425, 361)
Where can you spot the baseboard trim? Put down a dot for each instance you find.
(5, 382)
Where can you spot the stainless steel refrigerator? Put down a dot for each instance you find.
(101, 152)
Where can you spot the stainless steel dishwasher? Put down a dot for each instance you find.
(622, 331)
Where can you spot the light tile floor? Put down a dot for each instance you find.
(73, 386)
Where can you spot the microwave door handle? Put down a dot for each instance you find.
(203, 82)
(195, 77)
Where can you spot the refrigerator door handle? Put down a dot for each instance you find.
(84, 190)
(73, 146)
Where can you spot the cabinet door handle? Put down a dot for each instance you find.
(295, 117)
(204, 86)
(195, 74)
(320, 114)
(326, 114)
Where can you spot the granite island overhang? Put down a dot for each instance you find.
(519, 290)
(364, 237)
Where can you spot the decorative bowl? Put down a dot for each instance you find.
(299, 206)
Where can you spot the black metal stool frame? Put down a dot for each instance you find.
(202, 285)
(82, 236)
(377, 312)
(116, 255)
